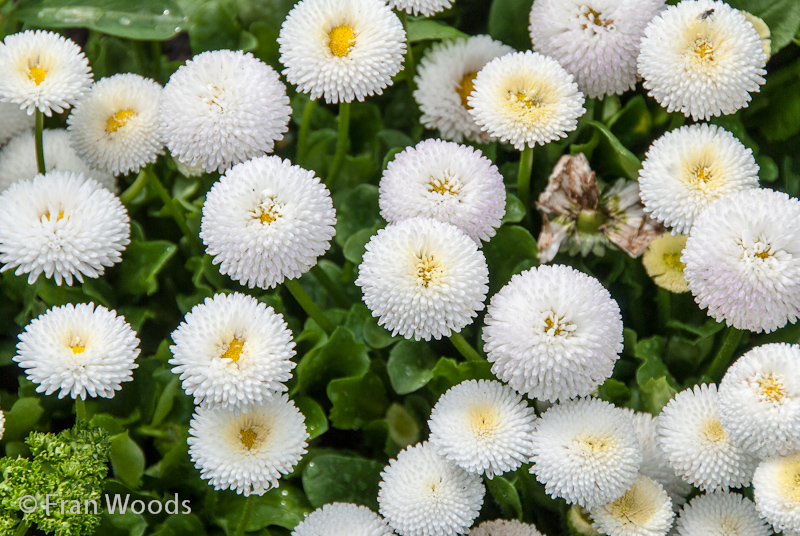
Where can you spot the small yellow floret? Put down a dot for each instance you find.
(342, 39)
(37, 75)
(234, 350)
(483, 420)
(662, 262)
(772, 389)
(427, 269)
(248, 438)
(713, 431)
(465, 88)
(118, 120)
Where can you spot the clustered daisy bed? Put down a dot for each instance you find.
(404, 267)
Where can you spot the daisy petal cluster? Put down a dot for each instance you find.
(445, 181)
(62, 225)
(644, 510)
(423, 278)
(776, 488)
(585, 451)
(525, 98)
(343, 519)
(701, 58)
(266, 220)
(424, 7)
(43, 71)
(743, 260)
(341, 49)
(231, 351)
(78, 350)
(14, 121)
(596, 41)
(115, 128)
(482, 426)
(250, 450)
(221, 108)
(720, 514)
(422, 494)
(445, 79)
(688, 169)
(504, 527)
(553, 333)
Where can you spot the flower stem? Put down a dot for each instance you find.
(724, 354)
(524, 176)
(302, 136)
(80, 410)
(664, 300)
(169, 203)
(461, 344)
(40, 142)
(133, 190)
(341, 142)
(22, 528)
(308, 305)
(248, 511)
(335, 290)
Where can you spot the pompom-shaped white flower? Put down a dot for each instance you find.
(445, 78)
(116, 127)
(697, 447)
(423, 278)
(701, 58)
(759, 400)
(78, 350)
(231, 351)
(504, 527)
(525, 98)
(720, 514)
(341, 49)
(222, 108)
(553, 333)
(482, 426)
(18, 159)
(14, 121)
(249, 451)
(266, 220)
(445, 181)
(63, 225)
(2, 423)
(644, 510)
(44, 71)
(424, 7)
(743, 260)
(343, 519)
(776, 488)
(585, 451)
(596, 41)
(688, 169)
(422, 494)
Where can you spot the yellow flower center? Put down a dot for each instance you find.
(268, 211)
(633, 507)
(702, 173)
(37, 74)
(427, 269)
(529, 100)
(762, 254)
(444, 185)
(248, 438)
(465, 88)
(593, 17)
(342, 39)
(118, 120)
(713, 431)
(556, 325)
(483, 421)
(704, 49)
(58, 217)
(233, 351)
(772, 389)
(673, 261)
(593, 445)
(76, 345)
(78, 349)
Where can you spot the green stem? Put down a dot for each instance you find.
(248, 511)
(308, 305)
(341, 142)
(664, 299)
(169, 203)
(598, 110)
(335, 290)
(22, 528)
(524, 176)
(151, 432)
(724, 354)
(40, 142)
(157, 56)
(302, 136)
(80, 410)
(461, 344)
(134, 189)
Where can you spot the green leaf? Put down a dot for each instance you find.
(515, 209)
(376, 336)
(767, 168)
(356, 208)
(147, 20)
(614, 391)
(655, 394)
(284, 506)
(107, 422)
(117, 524)
(782, 17)
(22, 417)
(426, 29)
(355, 246)
(403, 427)
(615, 158)
(141, 264)
(166, 400)
(340, 356)
(356, 401)
(127, 460)
(316, 421)
(181, 525)
(509, 252)
(508, 22)
(775, 110)
(213, 27)
(448, 372)
(410, 366)
(335, 478)
(506, 496)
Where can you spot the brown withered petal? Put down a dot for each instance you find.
(571, 187)
(629, 227)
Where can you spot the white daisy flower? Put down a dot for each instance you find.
(776, 488)
(266, 220)
(697, 447)
(662, 262)
(482, 426)
(596, 41)
(553, 333)
(504, 527)
(231, 351)
(422, 494)
(644, 510)
(743, 260)
(78, 350)
(44, 71)
(63, 225)
(14, 121)
(585, 451)
(687, 170)
(341, 49)
(423, 278)
(249, 451)
(18, 159)
(445, 78)
(343, 519)
(445, 181)
(424, 7)
(701, 58)
(720, 514)
(221, 108)
(525, 98)
(116, 127)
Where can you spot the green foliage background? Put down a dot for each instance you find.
(365, 394)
